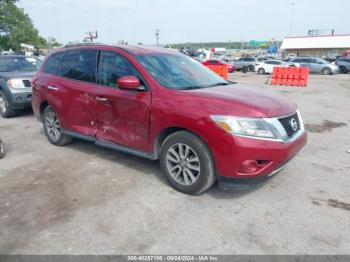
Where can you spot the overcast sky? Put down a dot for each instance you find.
(184, 20)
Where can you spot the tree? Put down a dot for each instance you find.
(16, 27)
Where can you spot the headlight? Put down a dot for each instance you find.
(254, 127)
(15, 83)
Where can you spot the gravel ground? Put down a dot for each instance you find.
(83, 199)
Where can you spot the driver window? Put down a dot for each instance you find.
(113, 66)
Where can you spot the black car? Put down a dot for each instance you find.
(344, 64)
(15, 86)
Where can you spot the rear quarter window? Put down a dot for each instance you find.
(79, 64)
(52, 64)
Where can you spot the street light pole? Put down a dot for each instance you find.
(157, 36)
(291, 18)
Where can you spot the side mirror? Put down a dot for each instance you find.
(129, 83)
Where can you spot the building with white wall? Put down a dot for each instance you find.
(321, 46)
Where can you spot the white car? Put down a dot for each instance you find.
(266, 67)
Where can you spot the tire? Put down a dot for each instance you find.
(192, 171)
(343, 69)
(52, 128)
(326, 71)
(2, 150)
(250, 68)
(6, 110)
(261, 71)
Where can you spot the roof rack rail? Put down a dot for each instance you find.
(81, 44)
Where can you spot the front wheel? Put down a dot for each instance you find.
(187, 163)
(5, 108)
(326, 71)
(343, 69)
(261, 71)
(53, 129)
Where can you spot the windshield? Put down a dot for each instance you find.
(179, 72)
(22, 64)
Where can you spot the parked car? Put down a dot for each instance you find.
(159, 104)
(267, 66)
(265, 58)
(315, 65)
(344, 64)
(231, 67)
(248, 62)
(15, 87)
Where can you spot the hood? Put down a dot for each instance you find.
(16, 74)
(241, 100)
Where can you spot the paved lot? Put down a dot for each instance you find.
(82, 199)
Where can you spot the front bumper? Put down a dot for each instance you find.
(335, 70)
(20, 99)
(232, 151)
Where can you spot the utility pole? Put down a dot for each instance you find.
(157, 36)
(291, 18)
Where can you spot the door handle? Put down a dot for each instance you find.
(101, 99)
(52, 88)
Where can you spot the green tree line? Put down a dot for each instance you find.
(16, 27)
(208, 45)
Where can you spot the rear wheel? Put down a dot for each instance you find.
(261, 71)
(326, 71)
(53, 129)
(343, 69)
(6, 110)
(251, 68)
(187, 163)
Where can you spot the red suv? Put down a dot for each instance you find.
(160, 104)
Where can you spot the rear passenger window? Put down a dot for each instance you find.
(113, 66)
(79, 65)
(51, 65)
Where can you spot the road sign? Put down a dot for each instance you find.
(254, 43)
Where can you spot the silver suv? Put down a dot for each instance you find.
(248, 62)
(315, 65)
(344, 64)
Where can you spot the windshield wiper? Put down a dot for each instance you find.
(200, 87)
(191, 87)
(219, 84)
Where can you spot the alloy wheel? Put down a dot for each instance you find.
(183, 164)
(261, 71)
(52, 126)
(327, 71)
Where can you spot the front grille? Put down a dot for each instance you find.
(289, 123)
(26, 83)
